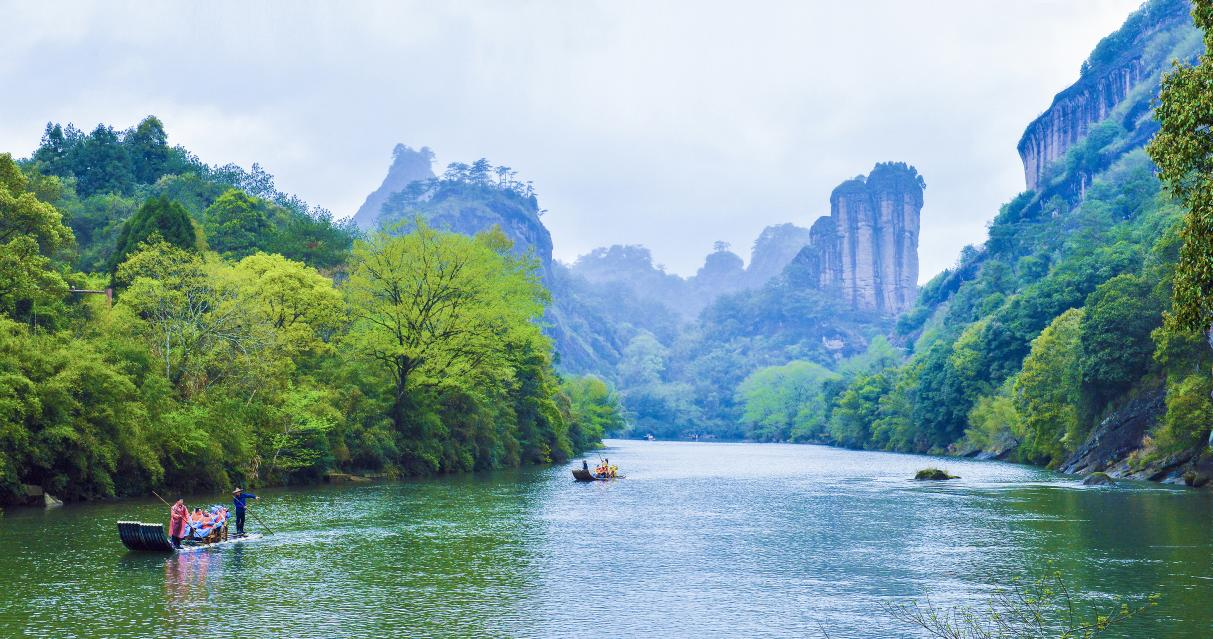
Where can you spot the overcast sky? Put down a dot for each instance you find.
(669, 124)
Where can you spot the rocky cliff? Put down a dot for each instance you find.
(1118, 80)
(408, 166)
(775, 247)
(866, 251)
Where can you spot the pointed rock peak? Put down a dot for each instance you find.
(408, 165)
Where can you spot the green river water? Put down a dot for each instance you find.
(708, 540)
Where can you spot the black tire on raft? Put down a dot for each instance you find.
(140, 536)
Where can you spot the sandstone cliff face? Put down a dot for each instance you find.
(1117, 81)
(408, 166)
(866, 251)
(1070, 117)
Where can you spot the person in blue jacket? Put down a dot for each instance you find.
(239, 500)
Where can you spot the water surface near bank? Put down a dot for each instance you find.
(734, 540)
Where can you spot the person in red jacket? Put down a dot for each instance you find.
(176, 527)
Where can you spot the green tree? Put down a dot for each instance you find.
(147, 146)
(1115, 339)
(54, 153)
(290, 298)
(778, 399)
(1183, 151)
(160, 216)
(102, 164)
(70, 421)
(858, 408)
(1048, 391)
(237, 224)
(593, 409)
(32, 235)
(436, 308)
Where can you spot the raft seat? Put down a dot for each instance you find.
(140, 536)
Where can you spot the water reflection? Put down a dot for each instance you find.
(712, 539)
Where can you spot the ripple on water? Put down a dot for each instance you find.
(715, 539)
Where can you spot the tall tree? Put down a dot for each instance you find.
(32, 233)
(1183, 151)
(237, 223)
(147, 145)
(160, 216)
(1046, 394)
(434, 308)
(102, 164)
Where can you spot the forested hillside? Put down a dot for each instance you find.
(1052, 330)
(251, 339)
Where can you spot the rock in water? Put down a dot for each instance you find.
(1098, 479)
(1195, 479)
(933, 474)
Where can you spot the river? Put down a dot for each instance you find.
(706, 539)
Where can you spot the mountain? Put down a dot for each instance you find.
(774, 249)
(1116, 82)
(1045, 343)
(723, 271)
(408, 166)
(866, 251)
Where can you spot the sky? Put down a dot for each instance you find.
(662, 123)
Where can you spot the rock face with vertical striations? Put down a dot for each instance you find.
(1117, 81)
(866, 251)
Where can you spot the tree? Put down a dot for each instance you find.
(161, 216)
(1047, 392)
(70, 421)
(32, 234)
(236, 224)
(435, 308)
(858, 408)
(147, 145)
(594, 410)
(54, 153)
(102, 164)
(1183, 151)
(778, 399)
(188, 318)
(1115, 338)
(292, 299)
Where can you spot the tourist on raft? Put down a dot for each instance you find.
(240, 499)
(177, 522)
(605, 469)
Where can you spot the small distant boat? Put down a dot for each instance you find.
(649, 437)
(580, 474)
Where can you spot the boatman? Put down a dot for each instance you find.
(239, 499)
(176, 525)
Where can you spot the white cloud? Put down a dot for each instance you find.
(669, 124)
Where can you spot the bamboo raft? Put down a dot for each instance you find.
(151, 537)
(585, 475)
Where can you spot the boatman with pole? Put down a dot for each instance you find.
(239, 500)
